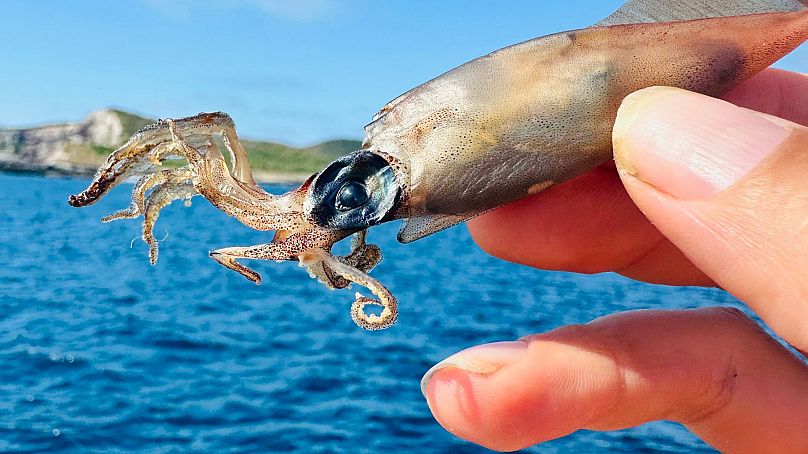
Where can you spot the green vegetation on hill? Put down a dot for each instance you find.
(273, 157)
(101, 150)
(131, 123)
(265, 157)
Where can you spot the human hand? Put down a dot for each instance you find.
(705, 193)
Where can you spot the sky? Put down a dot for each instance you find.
(293, 71)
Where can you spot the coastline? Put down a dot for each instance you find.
(48, 170)
(79, 149)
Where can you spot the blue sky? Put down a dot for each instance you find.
(296, 71)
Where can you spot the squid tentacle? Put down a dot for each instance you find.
(269, 251)
(176, 185)
(206, 173)
(234, 192)
(363, 256)
(138, 205)
(386, 300)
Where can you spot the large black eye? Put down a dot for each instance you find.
(352, 194)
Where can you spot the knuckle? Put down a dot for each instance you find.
(733, 316)
(729, 312)
(711, 397)
(718, 387)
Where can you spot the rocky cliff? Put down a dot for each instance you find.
(72, 148)
(79, 148)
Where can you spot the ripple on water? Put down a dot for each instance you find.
(117, 355)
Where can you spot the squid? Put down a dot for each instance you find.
(489, 132)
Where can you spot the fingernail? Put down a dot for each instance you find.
(483, 359)
(689, 145)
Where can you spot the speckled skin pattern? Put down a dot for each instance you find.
(489, 132)
(539, 113)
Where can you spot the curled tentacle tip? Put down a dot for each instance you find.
(372, 322)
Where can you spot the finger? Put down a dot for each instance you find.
(776, 92)
(591, 225)
(729, 190)
(709, 369)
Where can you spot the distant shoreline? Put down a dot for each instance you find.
(80, 173)
(44, 170)
(78, 149)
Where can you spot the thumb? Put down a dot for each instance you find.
(729, 187)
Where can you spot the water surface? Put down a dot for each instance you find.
(102, 352)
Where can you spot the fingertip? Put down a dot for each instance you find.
(540, 397)
(688, 145)
(449, 394)
(632, 116)
(484, 230)
(464, 396)
(457, 401)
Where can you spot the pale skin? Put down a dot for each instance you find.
(743, 229)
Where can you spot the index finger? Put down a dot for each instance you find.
(776, 92)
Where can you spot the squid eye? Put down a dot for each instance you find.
(351, 195)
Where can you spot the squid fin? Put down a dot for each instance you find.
(645, 11)
(418, 227)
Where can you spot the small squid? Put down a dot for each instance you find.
(493, 130)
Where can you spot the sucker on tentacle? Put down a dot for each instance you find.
(386, 300)
(363, 257)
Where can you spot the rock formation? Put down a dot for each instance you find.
(72, 148)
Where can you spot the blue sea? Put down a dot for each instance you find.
(101, 352)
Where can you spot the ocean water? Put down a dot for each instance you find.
(99, 351)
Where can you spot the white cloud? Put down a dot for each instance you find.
(291, 10)
(297, 10)
(178, 8)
